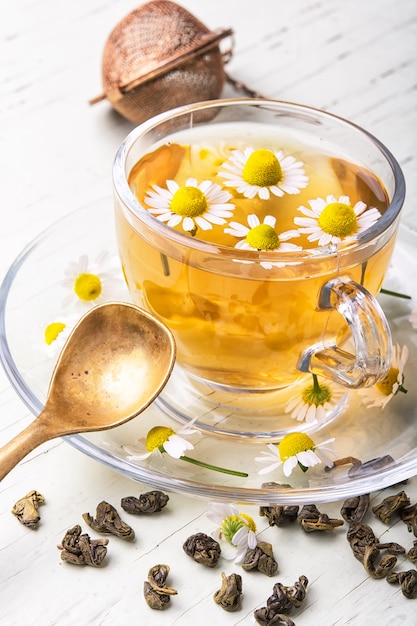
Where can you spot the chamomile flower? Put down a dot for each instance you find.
(263, 172)
(315, 402)
(381, 393)
(163, 439)
(92, 282)
(238, 529)
(262, 237)
(53, 334)
(192, 205)
(330, 221)
(295, 449)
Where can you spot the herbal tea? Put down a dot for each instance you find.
(241, 301)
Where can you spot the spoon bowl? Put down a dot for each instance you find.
(114, 364)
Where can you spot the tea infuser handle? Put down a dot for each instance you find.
(370, 333)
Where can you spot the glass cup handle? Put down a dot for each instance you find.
(370, 333)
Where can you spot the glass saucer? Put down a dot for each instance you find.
(383, 441)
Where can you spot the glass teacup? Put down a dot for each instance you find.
(260, 233)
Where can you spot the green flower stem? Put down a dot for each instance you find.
(316, 385)
(215, 468)
(396, 294)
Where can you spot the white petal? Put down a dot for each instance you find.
(253, 220)
(271, 221)
(175, 446)
(252, 543)
(172, 186)
(203, 223)
(188, 223)
(289, 465)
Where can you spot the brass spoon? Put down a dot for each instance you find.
(114, 364)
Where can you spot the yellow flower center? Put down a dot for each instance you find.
(87, 287)
(386, 385)
(233, 523)
(293, 443)
(316, 394)
(189, 202)
(52, 331)
(262, 169)
(157, 436)
(338, 219)
(262, 237)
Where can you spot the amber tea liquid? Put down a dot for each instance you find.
(239, 325)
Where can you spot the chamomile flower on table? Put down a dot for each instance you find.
(295, 449)
(262, 236)
(238, 529)
(330, 220)
(91, 282)
(315, 401)
(263, 173)
(191, 205)
(381, 393)
(164, 439)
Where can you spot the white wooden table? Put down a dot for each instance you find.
(357, 59)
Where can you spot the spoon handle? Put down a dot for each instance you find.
(23, 443)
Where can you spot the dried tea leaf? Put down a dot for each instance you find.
(157, 576)
(150, 502)
(369, 551)
(409, 516)
(310, 519)
(155, 600)
(378, 566)
(155, 592)
(278, 514)
(359, 536)
(354, 509)
(26, 509)
(79, 549)
(203, 549)
(277, 619)
(107, 520)
(282, 601)
(391, 505)
(371, 466)
(261, 558)
(412, 553)
(229, 596)
(408, 582)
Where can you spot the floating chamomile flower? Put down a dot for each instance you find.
(315, 402)
(263, 172)
(191, 205)
(295, 449)
(262, 237)
(239, 529)
(380, 394)
(330, 221)
(92, 282)
(161, 439)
